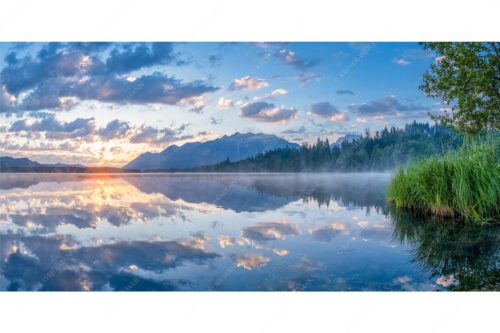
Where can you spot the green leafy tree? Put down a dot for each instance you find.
(466, 76)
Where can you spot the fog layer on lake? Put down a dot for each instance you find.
(261, 232)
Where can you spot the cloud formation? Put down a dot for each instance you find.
(401, 62)
(269, 231)
(389, 105)
(7, 101)
(156, 136)
(154, 88)
(41, 263)
(250, 261)
(85, 128)
(133, 56)
(267, 112)
(275, 93)
(55, 129)
(345, 92)
(299, 130)
(215, 121)
(328, 232)
(63, 74)
(115, 129)
(248, 83)
(292, 59)
(326, 110)
(305, 78)
(282, 52)
(224, 104)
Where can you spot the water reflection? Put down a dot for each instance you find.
(228, 232)
(461, 257)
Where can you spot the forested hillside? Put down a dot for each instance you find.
(382, 150)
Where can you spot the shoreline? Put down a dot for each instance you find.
(198, 173)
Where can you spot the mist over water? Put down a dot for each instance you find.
(228, 232)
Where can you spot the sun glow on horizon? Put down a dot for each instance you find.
(104, 105)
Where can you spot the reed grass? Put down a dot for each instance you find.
(462, 184)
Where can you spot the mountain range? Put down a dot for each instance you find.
(385, 150)
(23, 162)
(192, 155)
(250, 152)
(195, 154)
(12, 164)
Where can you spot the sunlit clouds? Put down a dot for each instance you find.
(224, 104)
(327, 232)
(269, 231)
(327, 111)
(103, 104)
(248, 83)
(209, 232)
(225, 241)
(267, 112)
(112, 144)
(250, 261)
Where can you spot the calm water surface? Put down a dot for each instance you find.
(229, 232)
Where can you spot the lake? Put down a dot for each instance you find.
(240, 232)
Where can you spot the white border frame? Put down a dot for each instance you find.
(256, 20)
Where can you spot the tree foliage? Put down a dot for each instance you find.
(384, 150)
(466, 76)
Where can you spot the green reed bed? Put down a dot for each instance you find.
(464, 184)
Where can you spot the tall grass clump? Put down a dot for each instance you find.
(463, 184)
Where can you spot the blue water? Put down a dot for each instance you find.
(238, 232)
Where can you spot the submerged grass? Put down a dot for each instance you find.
(464, 183)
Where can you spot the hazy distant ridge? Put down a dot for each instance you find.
(195, 154)
(11, 164)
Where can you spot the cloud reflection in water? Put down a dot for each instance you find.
(202, 232)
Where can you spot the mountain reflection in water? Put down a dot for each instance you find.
(229, 232)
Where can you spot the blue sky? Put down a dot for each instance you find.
(105, 103)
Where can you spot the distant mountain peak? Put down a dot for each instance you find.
(350, 137)
(9, 163)
(190, 155)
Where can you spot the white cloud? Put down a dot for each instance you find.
(272, 95)
(250, 261)
(224, 104)
(248, 83)
(269, 231)
(401, 62)
(277, 92)
(225, 241)
(197, 103)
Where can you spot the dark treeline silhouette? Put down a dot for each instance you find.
(382, 150)
(64, 169)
